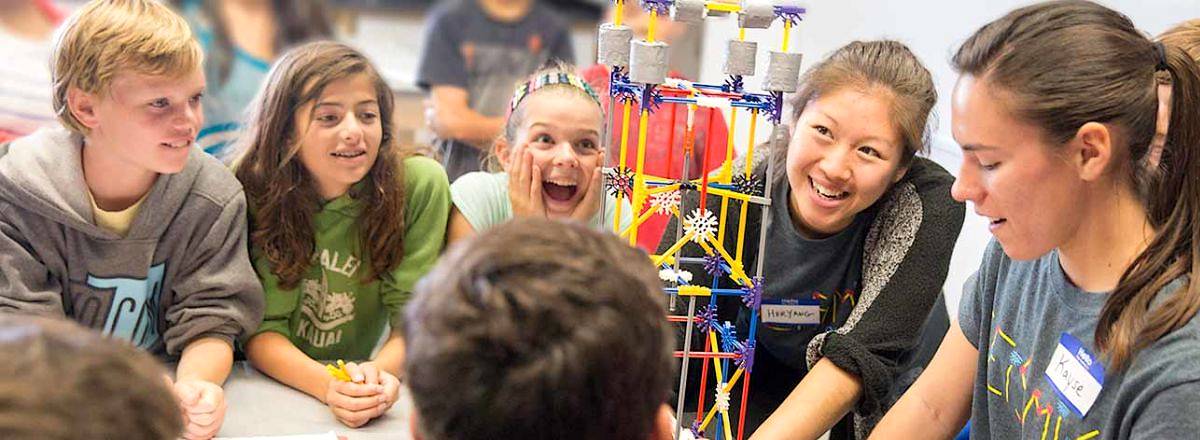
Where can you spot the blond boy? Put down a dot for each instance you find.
(116, 220)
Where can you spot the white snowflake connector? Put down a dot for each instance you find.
(667, 275)
(700, 225)
(722, 401)
(675, 276)
(665, 202)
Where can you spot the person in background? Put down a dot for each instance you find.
(240, 39)
(26, 27)
(475, 52)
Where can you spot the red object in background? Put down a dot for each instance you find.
(664, 146)
(50, 10)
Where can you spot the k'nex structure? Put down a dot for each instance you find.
(638, 80)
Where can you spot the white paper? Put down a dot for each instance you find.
(326, 436)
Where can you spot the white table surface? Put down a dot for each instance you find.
(260, 406)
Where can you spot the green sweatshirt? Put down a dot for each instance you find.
(332, 314)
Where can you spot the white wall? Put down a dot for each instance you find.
(933, 29)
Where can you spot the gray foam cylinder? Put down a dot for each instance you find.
(783, 72)
(649, 62)
(740, 57)
(688, 11)
(613, 45)
(756, 14)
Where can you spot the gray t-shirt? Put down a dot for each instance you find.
(466, 48)
(1030, 324)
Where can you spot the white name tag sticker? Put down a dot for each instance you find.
(791, 313)
(1076, 374)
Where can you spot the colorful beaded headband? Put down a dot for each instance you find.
(549, 79)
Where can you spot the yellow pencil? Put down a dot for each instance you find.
(339, 372)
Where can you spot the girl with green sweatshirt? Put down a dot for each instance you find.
(343, 225)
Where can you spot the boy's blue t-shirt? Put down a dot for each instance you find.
(466, 48)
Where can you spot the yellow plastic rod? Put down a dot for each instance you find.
(663, 189)
(639, 179)
(624, 149)
(741, 237)
(750, 148)
(620, 12)
(678, 245)
(726, 171)
(712, 411)
(637, 222)
(650, 29)
(723, 7)
(787, 31)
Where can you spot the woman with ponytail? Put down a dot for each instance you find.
(1081, 145)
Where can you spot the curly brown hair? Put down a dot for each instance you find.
(283, 198)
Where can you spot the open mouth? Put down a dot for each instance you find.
(559, 191)
(827, 193)
(348, 154)
(177, 144)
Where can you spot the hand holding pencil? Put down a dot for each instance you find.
(358, 393)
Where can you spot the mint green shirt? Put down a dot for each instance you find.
(482, 198)
(332, 313)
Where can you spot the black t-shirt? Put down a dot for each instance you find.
(822, 274)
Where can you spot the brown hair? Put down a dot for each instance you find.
(1067, 63)
(60, 381)
(880, 66)
(282, 195)
(539, 329)
(1185, 36)
(105, 37)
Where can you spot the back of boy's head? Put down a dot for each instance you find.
(539, 330)
(106, 37)
(59, 381)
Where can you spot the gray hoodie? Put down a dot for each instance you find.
(181, 273)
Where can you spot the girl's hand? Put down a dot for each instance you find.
(371, 374)
(391, 388)
(356, 403)
(525, 186)
(590, 203)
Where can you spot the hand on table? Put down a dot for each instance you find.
(370, 394)
(203, 406)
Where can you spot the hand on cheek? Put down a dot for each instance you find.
(525, 185)
(590, 203)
